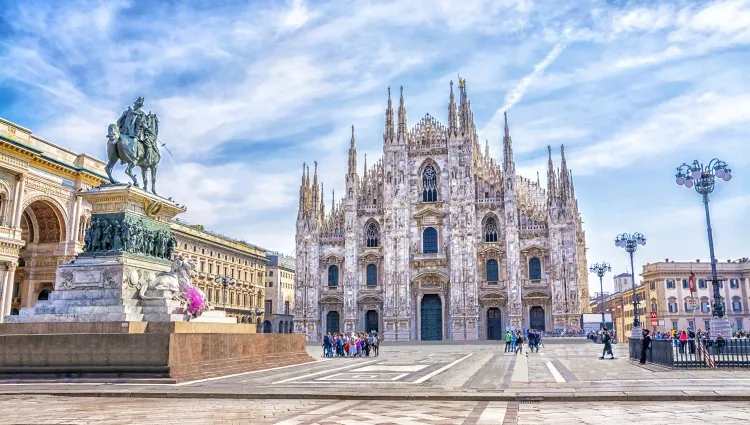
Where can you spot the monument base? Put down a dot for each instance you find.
(720, 327)
(167, 352)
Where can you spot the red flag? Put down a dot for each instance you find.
(692, 282)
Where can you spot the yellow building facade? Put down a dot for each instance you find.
(42, 223)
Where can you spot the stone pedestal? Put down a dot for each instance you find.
(122, 273)
(720, 327)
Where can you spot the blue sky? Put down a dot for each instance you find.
(248, 90)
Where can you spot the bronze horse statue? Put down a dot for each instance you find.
(128, 150)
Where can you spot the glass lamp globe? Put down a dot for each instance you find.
(696, 173)
(680, 180)
(720, 173)
(689, 183)
(727, 177)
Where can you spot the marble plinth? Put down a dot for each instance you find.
(105, 289)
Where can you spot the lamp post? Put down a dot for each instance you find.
(225, 281)
(600, 269)
(630, 243)
(703, 179)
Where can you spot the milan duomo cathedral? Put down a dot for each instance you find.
(438, 241)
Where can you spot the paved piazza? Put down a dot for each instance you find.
(409, 384)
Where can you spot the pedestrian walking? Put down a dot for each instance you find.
(508, 338)
(519, 342)
(607, 341)
(645, 345)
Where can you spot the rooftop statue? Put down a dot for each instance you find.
(133, 140)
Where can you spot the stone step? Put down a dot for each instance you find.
(88, 294)
(160, 317)
(91, 309)
(47, 318)
(87, 302)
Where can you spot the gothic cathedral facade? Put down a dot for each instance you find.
(438, 241)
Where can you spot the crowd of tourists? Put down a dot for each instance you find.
(350, 345)
(514, 340)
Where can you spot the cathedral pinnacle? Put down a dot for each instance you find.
(389, 128)
(402, 130)
(352, 155)
(509, 164)
(452, 124)
(564, 177)
(551, 186)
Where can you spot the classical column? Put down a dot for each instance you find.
(8, 283)
(75, 219)
(3, 297)
(18, 200)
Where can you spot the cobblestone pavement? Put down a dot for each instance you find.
(99, 410)
(447, 370)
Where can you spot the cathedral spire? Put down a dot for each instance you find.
(551, 187)
(302, 190)
(390, 131)
(322, 202)
(308, 194)
(564, 177)
(464, 110)
(509, 165)
(402, 117)
(352, 155)
(333, 201)
(452, 125)
(486, 148)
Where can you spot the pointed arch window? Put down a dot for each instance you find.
(333, 276)
(535, 269)
(429, 241)
(372, 275)
(429, 184)
(372, 235)
(492, 271)
(490, 230)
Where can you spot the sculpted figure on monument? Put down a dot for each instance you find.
(96, 234)
(133, 141)
(87, 240)
(107, 235)
(117, 240)
(171, 245)
(125, 236)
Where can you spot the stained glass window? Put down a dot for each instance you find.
(430, 241)
(429, 184)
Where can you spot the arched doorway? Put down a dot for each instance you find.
(332, 322)
(281, 327)
(267, 327)
(43, 296)
(371, 321)
(494, 324)
(432, 318)
(536, 318)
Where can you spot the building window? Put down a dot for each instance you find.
(653, 285)
(210, 268)
(702, 283)
(429, 241)
(203, 266)
(490, 229)
(429, 184)
(670, 284)
(736, 305)
(372, 235)
(492, 271)
(691, 324)
(672, 305)
(653, 305)
(270, 284)
(707, 324)
(705, 306)
(372, 275)
(535, 269)
(674, 325)
(333, 275)
(270, 272)
(685, 284)
(734, 283)
(268, 306)
(739, 325)
(286, 307)
(208, 295)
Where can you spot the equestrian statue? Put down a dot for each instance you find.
(133, 141)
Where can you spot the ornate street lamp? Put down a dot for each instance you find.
(630, 243)
(703, 178)
(600, 269)
(225, 281)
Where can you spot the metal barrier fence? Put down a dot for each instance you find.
(699, 353)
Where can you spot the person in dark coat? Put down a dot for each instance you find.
(607, 341)
(645, 345)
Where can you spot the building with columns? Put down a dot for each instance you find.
(42, 223)
(42, 218)
(437, 240)
(668, 283)
(279, 304)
